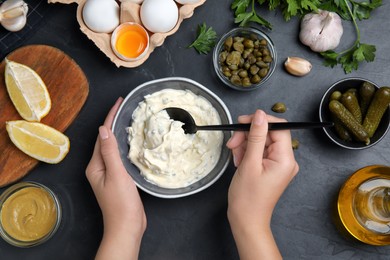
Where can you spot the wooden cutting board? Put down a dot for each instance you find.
(68, 88)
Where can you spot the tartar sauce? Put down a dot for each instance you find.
(165, 155)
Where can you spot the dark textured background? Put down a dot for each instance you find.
(196, 227)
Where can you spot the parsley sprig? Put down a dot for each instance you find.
(205, 40)
(358, 52)
(245, 12)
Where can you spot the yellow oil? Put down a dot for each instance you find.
(364, 205)
(372, 205)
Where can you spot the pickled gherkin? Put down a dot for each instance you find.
(349, 121)
(379, 104)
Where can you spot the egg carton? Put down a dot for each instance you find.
(129, 12)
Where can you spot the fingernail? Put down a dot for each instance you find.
(103, 133)
(234, 160)
(259, 117)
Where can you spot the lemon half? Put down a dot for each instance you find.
(38, 140)
(27, 91)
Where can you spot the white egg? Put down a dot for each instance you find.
(133, 1)
(159, 16)
(186, 2)
(101, 16)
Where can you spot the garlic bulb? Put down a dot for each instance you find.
(321, 31)
(13, 15)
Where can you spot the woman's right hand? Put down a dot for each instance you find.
(266, 165)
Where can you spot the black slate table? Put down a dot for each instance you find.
(196, 227)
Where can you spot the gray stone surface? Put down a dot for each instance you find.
(196, 227)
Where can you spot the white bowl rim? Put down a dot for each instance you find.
(223, 105)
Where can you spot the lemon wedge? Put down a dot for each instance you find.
(38, 140)
(27, 91)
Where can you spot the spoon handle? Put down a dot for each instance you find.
(271, 126)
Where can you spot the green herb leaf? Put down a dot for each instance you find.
(205, 40)
(352, 10)
(240, 6)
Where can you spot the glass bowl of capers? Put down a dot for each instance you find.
(360, 111)
(244, 58)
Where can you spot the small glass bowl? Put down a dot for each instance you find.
(325, 115)
(137, 41)
(244, 32)
(24, 243)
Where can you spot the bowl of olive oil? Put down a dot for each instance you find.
(363, 205)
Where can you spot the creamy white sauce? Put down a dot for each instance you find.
(165, 155)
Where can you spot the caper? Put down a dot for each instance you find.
(257, 53)
(242, 61)
(254, 69)
(265, 52)
(225, 68)
(263, 72)
(233, 67)
(236, 80)
(255, 79)
(222, 56)
(246, 53)
(246, 82)
(267, 58)
(246, 65)
(263, 42)
(228, 43)
(279, 107)
(243, 73)
(238, 46)
(251, 59)
(233, 58)
(238, 39)
(262, 64)
(227, 74)
(295, 144)
(248, 43)
(235, 72)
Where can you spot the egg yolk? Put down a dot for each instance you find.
(131, 42)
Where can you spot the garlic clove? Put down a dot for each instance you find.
(15, 24)
(12, 9)
(13, 15)
(297, 66)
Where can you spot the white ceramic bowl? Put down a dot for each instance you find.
(123, 119)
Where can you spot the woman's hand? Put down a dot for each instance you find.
(266, 165)
(123, 212)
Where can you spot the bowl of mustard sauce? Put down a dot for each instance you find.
(30, 214)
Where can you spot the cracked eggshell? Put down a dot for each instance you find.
(101, 16)
(159, 16)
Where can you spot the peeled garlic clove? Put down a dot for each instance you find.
(13, 15)
(297, 66)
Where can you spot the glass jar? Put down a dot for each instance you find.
(30, 214)
(364, 205)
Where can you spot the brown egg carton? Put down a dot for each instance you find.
(129, 12)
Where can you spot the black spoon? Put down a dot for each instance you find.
(190, 127)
